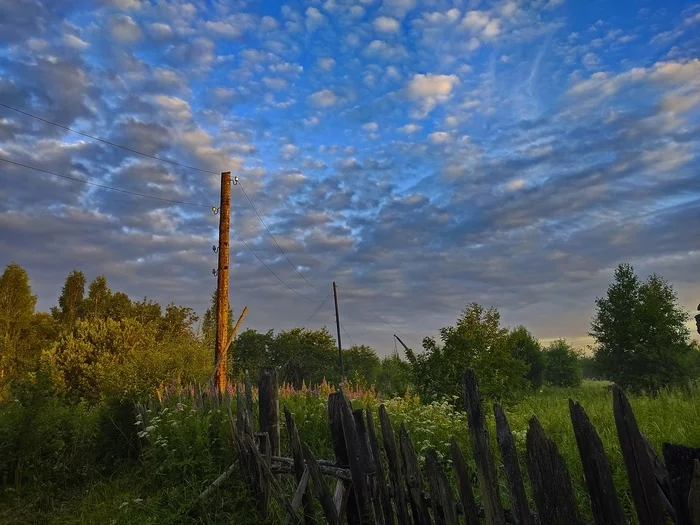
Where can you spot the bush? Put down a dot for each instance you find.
(562, 367)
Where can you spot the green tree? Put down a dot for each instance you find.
(303, 355)
(120, 307)
(71, 299)
(250, 351)
(16, 312)
(478, 342)
(96, 304)
(177, 322)
(562, 366)
(394, 376)
(361, 364)
(146, 311)
(642, 340)
(525, 347)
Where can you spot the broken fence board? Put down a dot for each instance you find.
(320, 487)
(381, 484)
(395, 470)
(414, 480)
(640, 473)
(464, 476)
(444, 507)
(298, 464)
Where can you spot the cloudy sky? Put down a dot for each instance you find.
(423, 154)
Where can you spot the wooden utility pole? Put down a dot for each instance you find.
(337, 324)
(222, 302)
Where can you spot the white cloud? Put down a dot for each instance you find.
(225, 29)
(160, 30)
(440, 137)
(289, 151)
(314, 19)
(325, 98)
(590, 60)
(75, 42)
(269, 24)
(386, 24)
(124, 29)
(508, 9)
(357, 11)
(429, 90)
(451, 121)
(326, 63)
(175, 107)
(392, 73)
(515, 184)
(408, 129)
(475, 20)
(276, 83)
(386, 50)
(680, 103)
(371, 127)
(492, 29)
(126, 4)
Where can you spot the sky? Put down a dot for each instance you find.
(422, 154)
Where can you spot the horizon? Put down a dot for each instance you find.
(423, 154)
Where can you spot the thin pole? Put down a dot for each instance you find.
(337, 324)
(222, 301)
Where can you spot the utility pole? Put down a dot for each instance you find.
(337, 324)
(222, 302)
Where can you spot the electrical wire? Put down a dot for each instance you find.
(270, 269)
(104, 186)
(93, 137)
(319, 307)
(347, 334)
(273, 237)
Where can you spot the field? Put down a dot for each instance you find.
(188, 448)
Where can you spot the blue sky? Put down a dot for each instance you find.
(423, 154)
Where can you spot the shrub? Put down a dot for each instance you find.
(562, 366)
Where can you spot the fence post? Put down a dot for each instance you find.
(299, 469)
(368, 466)
(518, 500)
(381, 485)
(345, 490)
(639, 470)
(396, 477)
(485, 468)
(356, 460)
(269, 407)
(605, 505)
(442, 500)
(464, 475)
(414, 480)
(680, 462)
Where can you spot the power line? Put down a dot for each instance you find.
(319, 307)
(273, 238)
(270, 269)
(347, 334)
(161, 159)
(104, 186)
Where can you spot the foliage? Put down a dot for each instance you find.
(16, 313)
(70, 302)
(362, 364)
(525, 347)
(394, 376)
(562, 366)
(478, 342)
(641, 333)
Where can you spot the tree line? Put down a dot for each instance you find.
(97, 344)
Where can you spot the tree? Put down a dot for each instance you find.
(361, 364)
(97, 303)
(642, 340)
(71, 299)
(177, 322)
(562, 367)
(120, 307)
(394, 376)
(251, 352)
(478, 342)
(16, 312)
(146, 311)
(303, 355)
(525, 347)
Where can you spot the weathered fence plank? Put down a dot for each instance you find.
(266, 455)
(299, 467)
(444, 508)
(320, 487)
(299, 494)
(336, 401)
(680, 462)
(485, 467)
(355, 450)
(464, 476)
(520, 511)
(243, 422)
(694, 495)
(368, 465)
(551, 483)
(414, 480)
(605, 504)
(640, 474)
(248, 393)
(661, 476)
(396, 475)
(269, 408)
(382, 488)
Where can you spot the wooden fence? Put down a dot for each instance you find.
(381, 480)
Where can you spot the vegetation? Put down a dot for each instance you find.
(71, 450)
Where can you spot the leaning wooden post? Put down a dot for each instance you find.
(485, 467)
(299, 468)
(605, 505)
(394, 459)
(345, 491)
(518, 500)
(639, 469)
(269, 408)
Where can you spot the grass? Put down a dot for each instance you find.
(188, 449)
